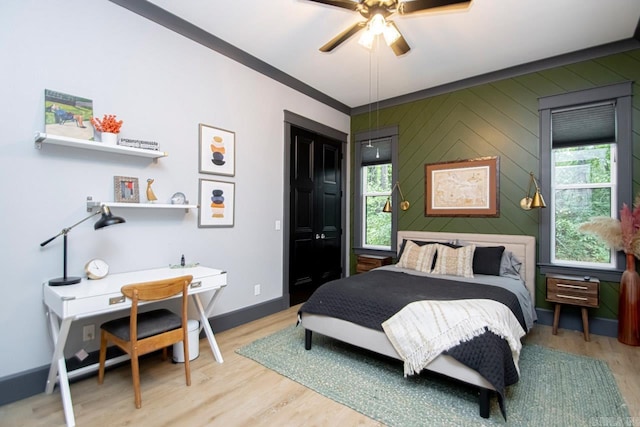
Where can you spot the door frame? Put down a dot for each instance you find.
(293, 119)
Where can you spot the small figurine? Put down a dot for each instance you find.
(150, 196)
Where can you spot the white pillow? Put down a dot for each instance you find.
(455, 262)
(417, 257)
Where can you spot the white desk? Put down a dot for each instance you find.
(89, 298)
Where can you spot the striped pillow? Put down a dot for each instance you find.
(417, 257)
(455, 262)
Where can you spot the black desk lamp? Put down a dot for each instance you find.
(105, 220)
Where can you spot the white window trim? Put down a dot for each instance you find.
(613, 185)
(363, 198)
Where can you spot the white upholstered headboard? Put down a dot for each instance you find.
(523, 247)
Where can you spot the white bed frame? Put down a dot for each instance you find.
(524, 247)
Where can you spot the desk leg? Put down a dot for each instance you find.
(58, 368)
(204, 321)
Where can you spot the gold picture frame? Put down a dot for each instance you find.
(466, 188)
(126, 189)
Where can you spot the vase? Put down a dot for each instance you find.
(629, 304)
(109, 138)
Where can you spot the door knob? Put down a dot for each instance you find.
(322, 236)
(317, 236)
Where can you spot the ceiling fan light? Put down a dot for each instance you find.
(391, 33)
(366, 39)
(377, 24)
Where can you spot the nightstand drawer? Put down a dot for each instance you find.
(369, 262)
(577, 292)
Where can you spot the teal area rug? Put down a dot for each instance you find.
(555, 388)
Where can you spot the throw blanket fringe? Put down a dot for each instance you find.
(424, 329)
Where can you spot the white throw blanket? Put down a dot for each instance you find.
(424, 329)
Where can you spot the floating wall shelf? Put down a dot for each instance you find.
(91, 204)
(44, 138)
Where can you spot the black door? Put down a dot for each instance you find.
(316, 213)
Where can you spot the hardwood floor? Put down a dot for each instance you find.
(241, 392)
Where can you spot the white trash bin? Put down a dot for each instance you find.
(193, 326)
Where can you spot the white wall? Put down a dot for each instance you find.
(162, 85)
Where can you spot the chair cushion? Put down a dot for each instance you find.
(150, 323)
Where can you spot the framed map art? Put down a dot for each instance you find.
(468, 188)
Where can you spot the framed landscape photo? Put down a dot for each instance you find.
(217, 150)
(67, 115)
(126, 189)
(468, 188)
(216, 201)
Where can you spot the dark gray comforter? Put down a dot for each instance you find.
(371, 298)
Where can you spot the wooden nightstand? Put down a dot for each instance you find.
(583, 292)
(368, 262)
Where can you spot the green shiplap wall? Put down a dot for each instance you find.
(497, 119)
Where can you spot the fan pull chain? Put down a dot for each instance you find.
(370, 71)
(377, 83)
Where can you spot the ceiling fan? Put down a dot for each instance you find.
(376, 12)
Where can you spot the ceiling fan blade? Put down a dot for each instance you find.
(400, 46)
(345, 4)
(413, 6)
(343, 36)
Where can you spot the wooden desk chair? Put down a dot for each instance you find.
(149, 331)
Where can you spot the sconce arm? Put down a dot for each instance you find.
(66, 230)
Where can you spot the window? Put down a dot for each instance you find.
(377, 182)
(583, 186)
(585, 171)
(375, 152)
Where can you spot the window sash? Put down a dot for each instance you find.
(555, 188)
(363, 203)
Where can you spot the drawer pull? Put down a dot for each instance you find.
(197, 284)
(116, 300)
(563, 285)
(572, 297)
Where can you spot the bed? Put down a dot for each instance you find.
(346, 326)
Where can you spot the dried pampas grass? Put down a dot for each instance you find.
(622, 234)
(607, 228)
(635, 246)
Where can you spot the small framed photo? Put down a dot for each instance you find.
(217, 150)
(67, 115)
(126, 189)
(217, 201)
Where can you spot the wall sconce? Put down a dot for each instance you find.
(404, 204)
(528, 202)
(105, 220)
